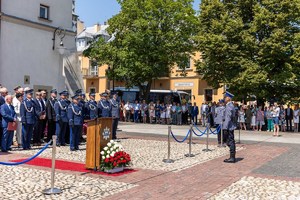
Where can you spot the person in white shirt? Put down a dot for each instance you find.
(17, 100)
(204, 110)
(275, 114)
(127, 108)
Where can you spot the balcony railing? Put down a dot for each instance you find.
(87, 73)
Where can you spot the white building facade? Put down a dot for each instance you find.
(31, 32)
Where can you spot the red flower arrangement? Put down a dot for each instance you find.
(113, 157)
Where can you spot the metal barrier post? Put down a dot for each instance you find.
(207, 137)
(190, 143)
(168, 160)
(53, 190)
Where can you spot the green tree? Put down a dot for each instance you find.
(252, 46)
(151, 36)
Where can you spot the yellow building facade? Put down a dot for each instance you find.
(95, 79)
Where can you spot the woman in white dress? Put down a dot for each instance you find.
(241, 118)
(253, 118)
(296, 118)
(168, 113)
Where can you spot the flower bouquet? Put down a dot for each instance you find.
(113, 158)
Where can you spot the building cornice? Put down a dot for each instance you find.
(32, 24)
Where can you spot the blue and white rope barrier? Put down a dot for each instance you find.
(28, 159)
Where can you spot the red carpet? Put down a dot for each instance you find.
(71, 166)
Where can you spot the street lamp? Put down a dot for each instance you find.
(111, 69)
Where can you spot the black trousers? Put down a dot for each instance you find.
(229, 139)
(114, 128)
(37, 131)
(51, 130)
(289, 124)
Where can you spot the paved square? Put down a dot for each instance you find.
(260, 188)
(27, 183)
(147, 154)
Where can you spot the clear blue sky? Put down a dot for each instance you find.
(93, 11)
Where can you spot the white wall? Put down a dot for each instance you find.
(28, 51)
(60, 11)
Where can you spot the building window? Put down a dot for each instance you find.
(94, 70)
(81, 43)
(186, 63)
(92, 90)
(208, 95)
(44, 11)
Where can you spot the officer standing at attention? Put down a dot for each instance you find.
(91, 109)
(229, 126)
(28, 119)
(81, 103)
(60, 108)
(51, 116)
(115, 113)
(219, 116)
(75, 122)
(104, 106)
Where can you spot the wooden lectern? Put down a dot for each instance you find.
(99, 133)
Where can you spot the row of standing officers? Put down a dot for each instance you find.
(63, 115)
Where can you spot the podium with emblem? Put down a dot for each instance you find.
(99, 133)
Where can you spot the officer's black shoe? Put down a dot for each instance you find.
(231, 159)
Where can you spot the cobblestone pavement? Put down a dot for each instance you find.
(147, 154)
(260, 188)
(26, 183)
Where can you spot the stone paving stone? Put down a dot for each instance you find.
(260, 189)
(28, 183)
(147, 154)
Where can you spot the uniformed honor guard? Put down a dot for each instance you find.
(28, 119)
(60, 108)
(115, 113)
(219, 116)
(104, 106)
(75, 122)
(91, 109)
(229, 126)
(51, 116)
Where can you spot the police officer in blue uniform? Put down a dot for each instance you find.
(81, 104)
(28, 119)
(115, 113)
(91, 108)
(104, 106)
(75, 122)
(61, 107)
(229, 126)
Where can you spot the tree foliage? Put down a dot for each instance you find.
(151, 36)
(252, 46)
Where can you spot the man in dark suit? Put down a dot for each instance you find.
(3, 93)
(289, 118)
(44, 121)
(28, 118)
(8, 115)
(115, 113)
(50, 113)
(194, 113)
(38, 132)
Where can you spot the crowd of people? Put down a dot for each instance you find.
(34, 120)
(252, 118)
